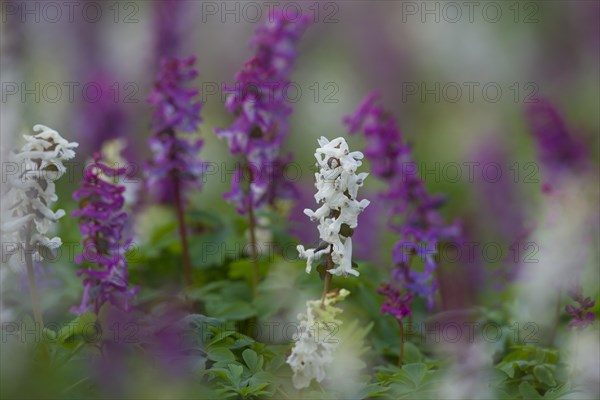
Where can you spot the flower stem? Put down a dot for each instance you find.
(573, 373)
(187, 263)
(327, 280)
(556, 318)
(252, 227)
(35, 301)
(401, 356)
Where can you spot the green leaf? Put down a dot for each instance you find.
(80, 326)
(544, 375)
(220, 354)
(497, 376)
(412, 353)
(221, 335)
(528, 392)
(244, 341)
(233, 311)
(508, 368)
(251, 359)
(49, 335)
(236, 373)
(416, 372)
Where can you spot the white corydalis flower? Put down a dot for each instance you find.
(26, 204)
(337, 186)
(315, 342)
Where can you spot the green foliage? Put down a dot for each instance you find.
(411, 381)
(242, 367)
(224, 352)
(530, 370)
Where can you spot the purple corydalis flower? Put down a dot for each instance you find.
(558, 150)
(396, 304)
(257, 101)
(101, 223)
(421, 226)
(175, 107)
(175, 159)
(581, 317)
(168, 27)
(385, 147)
(505, 212)
(103, 118)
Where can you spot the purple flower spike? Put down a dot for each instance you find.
(169, 26)
(581, 317)
(414, 211)
(558, 150)
(258, 102)
(103, 119)
(175, 106)
(101, 223)
(175, 158)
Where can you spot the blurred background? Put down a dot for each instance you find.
(457, 78)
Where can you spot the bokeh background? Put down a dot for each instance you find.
(414, 53)
(458, 78)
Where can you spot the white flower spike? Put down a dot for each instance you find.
(32, 191)
(337, 187)
(315, 343)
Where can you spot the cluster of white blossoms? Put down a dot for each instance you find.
(26, 204)
(337, 186)
(315, 342)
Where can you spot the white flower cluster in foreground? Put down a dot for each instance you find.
(316, 341)
(32, 191)
(337, 187)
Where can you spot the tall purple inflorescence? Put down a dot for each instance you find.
(103, 119)
(101, 223)
(558, 150)
(415, 212)
(175, 159)
(175, 166)
(564, 159)
(258, 102)
(169, 26)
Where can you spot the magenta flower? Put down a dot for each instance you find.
(175, 105)
(581, 316)
(101, 223)
(103, 119)
(175, 158)
(168, 26)
(558, 150)
(258, 102)
(414, 211)
(175, 165)
(396, 304)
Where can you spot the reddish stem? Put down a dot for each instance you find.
(252, 227)
(556, 317)
(187, 263)
(401, 357)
